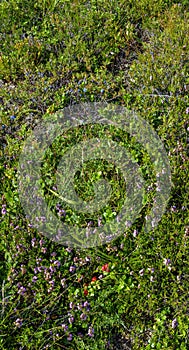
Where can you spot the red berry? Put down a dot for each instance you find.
(86, 292)
(105, 268)
(94, 279)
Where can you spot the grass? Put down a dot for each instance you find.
(130, 293)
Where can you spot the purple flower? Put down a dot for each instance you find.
(90, 331)
(72, 268)
(135, 233)
(99, 222)
(70, 337)
(47, 274)
(151, 269)
(38, 260)
(61, 212)
(69, 250)
(52, 269)
(90, 223)
(85, 304)
(44, 250)
(83, 316)
(53, 254)
(71, 319)
(166, 261)
(63, 282)
(35, 270)
(3, 211)
(80, 334)
(65, 327)
(23, 269)
(33, 242)
(52, 283)
(57, 263)
(34, 279)
(87, 259)
(79, 306)
(40, 268)
(41, 242)
(18, 322)
(22, 290)
(100, 277)
(71, 305)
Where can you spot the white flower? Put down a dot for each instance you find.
(174, 323)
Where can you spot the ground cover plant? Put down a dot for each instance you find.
(131, 293)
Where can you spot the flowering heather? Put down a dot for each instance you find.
(120, 285)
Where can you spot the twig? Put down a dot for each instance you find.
(157, 95)
(3, 297)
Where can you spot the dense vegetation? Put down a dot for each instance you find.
(131, 293)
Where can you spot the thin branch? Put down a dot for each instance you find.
(3, 297)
